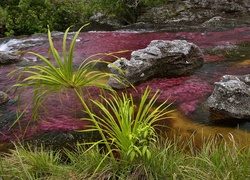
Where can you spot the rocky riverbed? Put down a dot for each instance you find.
(225, 48)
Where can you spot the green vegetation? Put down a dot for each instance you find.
(169, 161)
(52, 78)
(33, 16)
(130, 128)
(22, 17)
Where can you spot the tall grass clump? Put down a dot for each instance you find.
(31, 163)
(131, 128)
(216, 159)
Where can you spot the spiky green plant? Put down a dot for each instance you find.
(52, 78)
(131, 128)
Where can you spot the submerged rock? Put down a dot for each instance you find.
(231, 97)
(9, 58)
(161, 59)
(4, 98)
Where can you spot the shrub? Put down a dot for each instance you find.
(24, 17)
(33, 16)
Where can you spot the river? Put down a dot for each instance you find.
(225, 52)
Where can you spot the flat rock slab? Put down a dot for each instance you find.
(160, 59)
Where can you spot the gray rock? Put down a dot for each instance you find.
(102, 19)
(160, 59)
(231, 97)
(4, 98)
(9, 58)
(196, 13)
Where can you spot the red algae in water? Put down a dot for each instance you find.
(90, 43)
(61, 122)
(187, 92)
(181, 91)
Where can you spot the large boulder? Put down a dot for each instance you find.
(9, 58)
(160, 59)
(231, 97)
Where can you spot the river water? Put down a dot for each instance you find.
(225, 52)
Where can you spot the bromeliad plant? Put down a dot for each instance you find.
(52, 78)
(131, 128)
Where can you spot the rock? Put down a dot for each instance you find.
(101, 21)
(4, 98)
(160, 59)
(231, 97)
(196, 13)
(9, 58)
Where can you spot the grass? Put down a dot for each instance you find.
(225, 160)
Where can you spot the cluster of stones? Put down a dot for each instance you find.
(166, 59)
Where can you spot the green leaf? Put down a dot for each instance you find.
(132, 156)
(148, 153)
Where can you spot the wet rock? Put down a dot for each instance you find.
(9, 58)
(231, 97)
(4, 98)
(100, 21)
(226, 6)
(161, 59)
(198, 14)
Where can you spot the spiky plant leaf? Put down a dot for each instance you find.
(131, 128)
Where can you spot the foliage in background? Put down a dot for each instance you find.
(3, 16)
(33, 16)
(24, 17)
